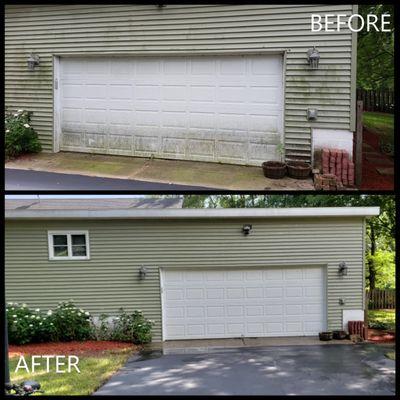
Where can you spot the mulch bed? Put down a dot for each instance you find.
(66, 348)
(371, 178)
(380, 336)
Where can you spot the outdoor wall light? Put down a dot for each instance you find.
(33, 61)
(313, 58)
(342, 302)
(343, 268)
(246, 229)
(142, 272)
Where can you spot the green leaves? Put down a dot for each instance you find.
(64, 324)
(375, 53)
(20, 137)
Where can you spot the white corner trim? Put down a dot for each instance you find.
(191, 213)
(68, 233)
(56, 104)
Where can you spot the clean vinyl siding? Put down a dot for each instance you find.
(109, 280)
(185, 29)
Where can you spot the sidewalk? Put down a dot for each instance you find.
(210, 175)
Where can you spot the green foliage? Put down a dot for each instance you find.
(102, 329)
(375, 53)
(20, 137)
(64, 324)
(133, 328)
(71, 323)
(384, 264)
(26, 326)
(382, 319)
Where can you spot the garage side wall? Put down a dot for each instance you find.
(185, 29)
(110, 279)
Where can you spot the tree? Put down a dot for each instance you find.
(375, 51)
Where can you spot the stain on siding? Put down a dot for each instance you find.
(145, 29)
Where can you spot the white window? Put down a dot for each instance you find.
(68, 245)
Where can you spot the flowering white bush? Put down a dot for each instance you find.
(32, 326)
(25, 325)
(20, 137)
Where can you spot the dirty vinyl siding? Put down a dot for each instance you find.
(118, 249)
(185, 29)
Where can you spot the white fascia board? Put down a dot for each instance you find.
(191, 213)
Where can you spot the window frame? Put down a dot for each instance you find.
(50, 235)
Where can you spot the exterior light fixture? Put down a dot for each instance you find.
(342, 302)
(313, 58)
(343, 268)
(33, 61)
(142, 272)
(246, 229)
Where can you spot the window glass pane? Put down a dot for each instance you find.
(60, 251)
(78, 239)
(79, 251)
(59, 240)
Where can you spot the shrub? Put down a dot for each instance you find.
(381, 325)
(71, 323)
(26, 326)
(125, 327)
(33, 326)
(20, 137)
(132, 327)
(102, 329)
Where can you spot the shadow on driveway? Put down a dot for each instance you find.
(360, 369)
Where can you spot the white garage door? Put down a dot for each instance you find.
(233, 303)
(210, 108)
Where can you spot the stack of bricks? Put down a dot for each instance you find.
(333, 170)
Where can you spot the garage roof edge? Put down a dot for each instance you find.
(190, 213)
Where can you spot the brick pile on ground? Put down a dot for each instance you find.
(333, 169)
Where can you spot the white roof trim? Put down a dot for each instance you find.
(187, 213)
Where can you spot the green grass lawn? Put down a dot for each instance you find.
(380, 123)
(386, 317)
(95, 370)
(391, 355)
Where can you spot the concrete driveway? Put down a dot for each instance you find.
(157, 171)
(360, 369)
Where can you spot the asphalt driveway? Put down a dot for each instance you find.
(360, 369)
(19, 179)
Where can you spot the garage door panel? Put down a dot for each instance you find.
(223, 98)
(230, 303)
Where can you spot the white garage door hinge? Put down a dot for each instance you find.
(56, 83)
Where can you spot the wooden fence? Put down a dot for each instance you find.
(377, 100)
(378, 299)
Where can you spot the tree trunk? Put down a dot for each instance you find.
(371, 262)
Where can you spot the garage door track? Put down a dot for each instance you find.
(360, 369)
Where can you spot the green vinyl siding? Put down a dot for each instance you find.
(125, 29)
(110, 279)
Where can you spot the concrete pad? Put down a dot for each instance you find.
(211, 175)
(207, 345)
(385, 171)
